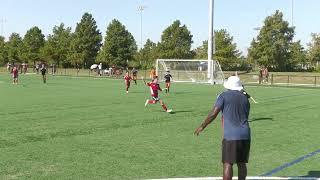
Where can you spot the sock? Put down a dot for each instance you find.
(135, 81)
(152, 102)
(164, 107)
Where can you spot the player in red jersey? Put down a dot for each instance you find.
(127, 79)
(15, 74)
(154, 88)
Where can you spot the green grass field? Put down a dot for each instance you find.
(86, 128)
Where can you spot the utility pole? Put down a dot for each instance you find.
(211, 42)
(141, 9)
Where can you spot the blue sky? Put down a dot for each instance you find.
(239, 17)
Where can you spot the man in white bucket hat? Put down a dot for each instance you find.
(233, 83)
(235, 107)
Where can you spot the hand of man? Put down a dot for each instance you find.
(198, 130)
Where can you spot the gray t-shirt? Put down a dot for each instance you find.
(235, 109)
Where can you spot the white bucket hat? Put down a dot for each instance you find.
(233, 83)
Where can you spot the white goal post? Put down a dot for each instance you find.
(187, 70)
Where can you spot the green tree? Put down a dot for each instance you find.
(298, 58)
(3, 51)
(33, 41)
(147, 55)
(272, 46)
(14, 48)
(314, 49)
(226, 50)
(57, 48)
(119, 45)
(175, 42)
(86, 42)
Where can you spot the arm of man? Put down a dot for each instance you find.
(211, 116)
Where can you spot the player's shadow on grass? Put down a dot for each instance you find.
(176, 112)
(261, 119)
(313, 174)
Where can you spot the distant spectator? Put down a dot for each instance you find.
(100, 69)
(8, 67)
(37, 68)
(265, 74)
(53, 71)
(78, 67)
(260, 75)
(24, 67)
(152, 73)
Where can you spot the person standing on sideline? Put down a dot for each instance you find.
(235, 108)
(100, 69)
(260, 75)
(8, 67)
(152, 73)
(266, 74)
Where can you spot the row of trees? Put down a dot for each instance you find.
(84, 46)
(273, 47)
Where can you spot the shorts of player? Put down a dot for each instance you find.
(15, 76)
(167, 84)
(134, 78)
(156, 98)
(43, 73)
(235, 151)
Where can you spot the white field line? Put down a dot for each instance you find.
(289, 84)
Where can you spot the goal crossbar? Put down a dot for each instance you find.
(191, 70)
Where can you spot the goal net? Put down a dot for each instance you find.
(196, 71)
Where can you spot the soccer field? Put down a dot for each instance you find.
(86, 128)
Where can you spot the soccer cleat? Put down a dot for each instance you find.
(147, 102)
(169, 110)
(127, 92)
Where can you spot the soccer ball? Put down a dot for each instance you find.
(169, 110)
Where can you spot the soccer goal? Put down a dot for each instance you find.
(196, 71)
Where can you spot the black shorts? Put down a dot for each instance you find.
(156, 98)
(235, 151)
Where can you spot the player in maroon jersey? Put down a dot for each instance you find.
(15, 74)
(127, 79)
(154, 88)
